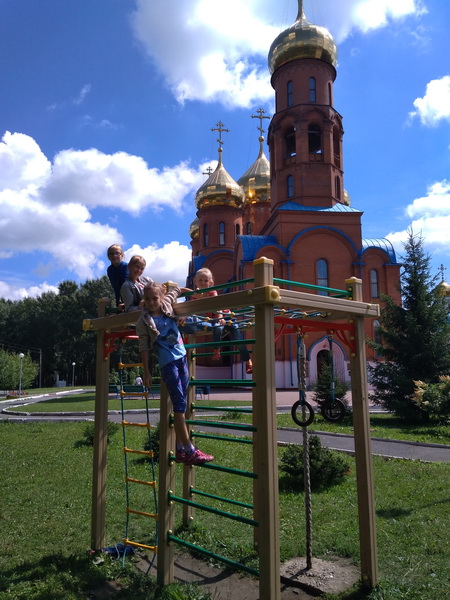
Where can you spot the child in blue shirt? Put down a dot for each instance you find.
(117, 271)
(158, 326)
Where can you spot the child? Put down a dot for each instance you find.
(117, 271)
(157, 326)
(132, 289)
(202, 281)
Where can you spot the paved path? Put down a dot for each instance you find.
(285, 398)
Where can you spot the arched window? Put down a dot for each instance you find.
(290, 186)
(374, 292)
(289, 139)
(290, 93)
(337, 184)
(237, 230)
(312, 89)
(205, 235)
(249, 228)
(336, 148)
(221, 233)
(376, 332)
(314, 139)
(322, 276)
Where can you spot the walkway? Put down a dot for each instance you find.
(12, 411)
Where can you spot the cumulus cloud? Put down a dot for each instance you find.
(209, 50)
(170, 262)
(435, 105)
(430, 215)
(14, 292)
(45, 207)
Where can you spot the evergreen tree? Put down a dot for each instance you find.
(414, 336)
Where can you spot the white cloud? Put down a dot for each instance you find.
(82, 94)
(209, 50)
(431, 216)
(45, 208)
(119, 180)
(163, 264)
(13, 292)
(435, 105)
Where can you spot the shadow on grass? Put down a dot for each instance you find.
(74, 577)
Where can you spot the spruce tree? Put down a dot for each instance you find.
(414, 337)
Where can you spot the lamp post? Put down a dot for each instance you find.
(21, 356)
(73, 374)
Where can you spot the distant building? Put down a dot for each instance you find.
(294, 209)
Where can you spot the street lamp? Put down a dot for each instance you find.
(21, 356)
(73, 374)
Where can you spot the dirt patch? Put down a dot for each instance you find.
(326, 576)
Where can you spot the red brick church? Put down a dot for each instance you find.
(294, 208)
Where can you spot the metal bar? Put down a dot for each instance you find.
(222, 438)
(221, 343)
(214, 497)
(214, 511)
(230, 470)
(223, 409)
(227, 561)
(237, 426)
(223, 382)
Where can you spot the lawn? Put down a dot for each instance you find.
(45, 513)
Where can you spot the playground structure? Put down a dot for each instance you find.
(277, 311)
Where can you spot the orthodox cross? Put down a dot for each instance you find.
(208, 171)
(220, 128)
(260, 115)
(442, 269)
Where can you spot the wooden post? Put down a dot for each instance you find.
(265, 456)
(189, 472)
(166, 482)
(100, 437)
(363, 451)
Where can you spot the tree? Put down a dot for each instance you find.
(10, 368)
(414, 337)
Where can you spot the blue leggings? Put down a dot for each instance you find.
(176, 377)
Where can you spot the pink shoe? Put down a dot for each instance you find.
(216, 354)
(197, 458)
(249, 367)
(180, 456)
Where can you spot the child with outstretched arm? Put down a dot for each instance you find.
(158, 326)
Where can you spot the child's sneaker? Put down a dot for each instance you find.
(197, 458)
(249, 367)
(216, 354)
(180, 455)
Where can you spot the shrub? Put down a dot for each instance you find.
(88, 432)
(322, 387)
(153, 444)
(327, 467)
(434, 398)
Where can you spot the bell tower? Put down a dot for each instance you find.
(305, 135)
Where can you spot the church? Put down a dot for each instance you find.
(293, 207)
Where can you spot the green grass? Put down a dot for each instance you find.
(46, 503)
(86, 402)
(382, 426)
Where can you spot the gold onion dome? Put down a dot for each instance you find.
(220, 189)
(194, 229)
(256, 180)
(302, 40)
(347, 200)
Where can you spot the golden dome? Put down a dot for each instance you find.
(219, 189)
(194, 229)
(256, 180)
(347, 200)
(302, 40)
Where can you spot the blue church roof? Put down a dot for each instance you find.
(336, 208)
(252, 243)
(382, 244)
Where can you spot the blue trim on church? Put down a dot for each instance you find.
(380, 244)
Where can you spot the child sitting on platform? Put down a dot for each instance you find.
(117, 272)
(132, 289)
(157, 326)
(202, 281)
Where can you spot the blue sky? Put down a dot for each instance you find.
(107, 107)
